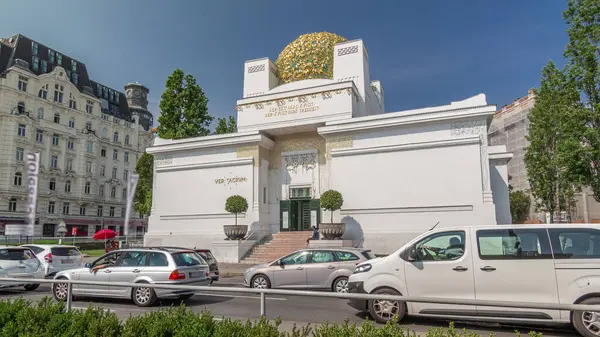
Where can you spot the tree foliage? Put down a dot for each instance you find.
(331, 200)
(183, 108)
(583, 54)
(236, 204)
(226, 125)
(554, 139)
(519, 206)
(143, 193)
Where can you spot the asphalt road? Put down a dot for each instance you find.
(299, 310)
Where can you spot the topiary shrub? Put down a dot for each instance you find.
(236, 204)
(331, 201)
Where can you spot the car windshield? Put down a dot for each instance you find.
(35, 249)
(16, 254)
(207, 256)
(368, 254)
(187, 259)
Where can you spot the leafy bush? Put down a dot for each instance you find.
(519, 205)
(331, 200)
(236, 204)
(47, 319)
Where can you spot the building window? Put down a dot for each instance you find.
(103, 152)
(59, 59)
(35, 62)
(88, 167)
(101, 190)
(68, 186)
(125, 174)
(51, 55)
(12, 205)
(102, 170)
(69, 165)
(23, 81)
(54, 161)
(34, 48)
(74, 65)
(21, 108)
(51, 205)
(41, 113)
(43, 93)
(105, 117)
(75, 78)
(58, 93)
(124, 194)
(55, 139)
(72, 122)
(71, 144)
(20, 152)
(90, 147)
(115, 155)
(39, 136)
(88, 125)
(113, 192)
(126, 139)
(89, 107)
(116, 137)
(100, 211)
(52, 184)
(126, 157)
(105, 132)
(82, 210)
(98, 90)
(18, 179)
(44, 66)
(87, 188)
(114, 172)
(57, 118)
(21, 130)
(72, 102)
(66, 208)
(111, 212)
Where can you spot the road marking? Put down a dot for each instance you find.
(241, 296)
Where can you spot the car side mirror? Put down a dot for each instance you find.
(281, 263)
(412, 254)
(88, 265)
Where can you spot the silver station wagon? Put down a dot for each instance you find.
(308, 269)
(137, 265)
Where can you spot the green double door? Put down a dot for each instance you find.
(299, 214)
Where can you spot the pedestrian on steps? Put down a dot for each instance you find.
(315, 235)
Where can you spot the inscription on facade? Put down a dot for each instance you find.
(291, 109)
(164, 160)
(230, 180)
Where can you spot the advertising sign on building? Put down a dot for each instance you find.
(131, 185)
(33, 168)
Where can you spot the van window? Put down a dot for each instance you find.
(443, 246)
(513, 244)
(575, 243)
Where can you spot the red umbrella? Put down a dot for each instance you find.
(105, 234)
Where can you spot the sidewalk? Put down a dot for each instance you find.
(233, 269)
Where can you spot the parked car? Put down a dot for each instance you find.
(208, 256)
(308, 269)
(137, 265)
(57, 258)
(20, 262)
(538, 263)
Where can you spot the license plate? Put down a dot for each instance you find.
(197, 274)
(66, 261)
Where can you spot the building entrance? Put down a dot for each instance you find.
(299, 214)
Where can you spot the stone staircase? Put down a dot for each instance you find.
(280, 244)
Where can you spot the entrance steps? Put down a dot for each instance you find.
(279, 245)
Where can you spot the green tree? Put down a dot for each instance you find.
(519, 206)
(236, 204)
(183, 108)
(331, 201)
(226, 125)
(583, 54)
(552, 137)
(143, 193)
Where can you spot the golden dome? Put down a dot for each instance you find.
(309, 56)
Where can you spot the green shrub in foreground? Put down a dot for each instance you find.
(21, 318)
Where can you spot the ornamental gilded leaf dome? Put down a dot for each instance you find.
(309, 56)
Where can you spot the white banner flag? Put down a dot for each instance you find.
(33, 168)
(131, 185)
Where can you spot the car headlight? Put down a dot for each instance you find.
(363, 268)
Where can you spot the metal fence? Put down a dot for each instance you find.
(264, 292)
(67, 240)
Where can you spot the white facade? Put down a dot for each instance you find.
(400, 173)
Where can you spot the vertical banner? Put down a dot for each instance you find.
(131, 185)
(33, 169)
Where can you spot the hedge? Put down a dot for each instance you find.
(46, 318)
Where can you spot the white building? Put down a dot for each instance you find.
(89, 137)
(315, 121)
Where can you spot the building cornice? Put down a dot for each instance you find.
(406, 146)
(234, 139)
(298, 92)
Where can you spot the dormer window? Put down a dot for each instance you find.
(59, 59)
(51, 55)
(43, 93)
(75, 78)
(58, 92)
(34, 48)
(99, 90)
(35, 63)
(74, 65)
(72, 102)
(44, 66)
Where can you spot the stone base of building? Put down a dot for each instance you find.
(231, 251)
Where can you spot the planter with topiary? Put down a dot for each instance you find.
(236, 204)
(332, 201)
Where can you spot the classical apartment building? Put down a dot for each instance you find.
(509, 127)
(88, 134)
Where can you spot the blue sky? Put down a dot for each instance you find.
(426, 52)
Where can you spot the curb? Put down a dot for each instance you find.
(231, 273)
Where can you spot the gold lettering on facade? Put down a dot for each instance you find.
(231, 180)
(290, 109)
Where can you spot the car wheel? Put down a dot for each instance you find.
(340, 285)
(261, 282)
(587, 323)
(60, 291)
(143, 296)
(31, 287)
(383, 311)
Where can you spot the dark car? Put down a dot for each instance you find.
(210, 259)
